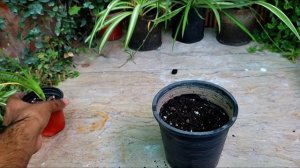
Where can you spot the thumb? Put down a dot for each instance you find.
(52, 106)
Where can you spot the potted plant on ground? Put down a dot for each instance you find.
(194, 118)
(141, 13)
(230, 33)
(184, 7)
(188, 18)
(188, 24)
(37, 94)
(229, 18)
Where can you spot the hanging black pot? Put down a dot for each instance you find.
(194, 30)
(233, 35)
(194, 149)
(144, 38)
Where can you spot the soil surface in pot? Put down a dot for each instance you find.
(189, 112)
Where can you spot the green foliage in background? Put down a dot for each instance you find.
(2, 24)
(283, 40)
(47, 66)
(67, 20)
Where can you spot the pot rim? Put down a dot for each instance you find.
(187, 133)
(47, 91)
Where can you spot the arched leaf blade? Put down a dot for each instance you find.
(110, 28)
(132, 23)
(281, 16)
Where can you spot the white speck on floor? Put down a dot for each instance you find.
(263, 69)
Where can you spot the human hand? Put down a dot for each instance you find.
(25, 123)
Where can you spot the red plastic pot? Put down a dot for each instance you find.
(55, 124)
(57, 119)
(116, 33)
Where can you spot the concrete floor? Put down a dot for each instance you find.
(109, 122)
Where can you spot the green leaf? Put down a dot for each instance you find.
(74, 10)
(88, 5)
(44, 1)
(55, 9)
(26, 81)
(281, 16)
(39, 45)
(113, 23)
(35, 8)
(58, 28)
(185, 16)
(132, 23)
(51, 4)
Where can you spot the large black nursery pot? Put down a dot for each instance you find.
(233, 35)
(57, 119)
(194, 149)
(144, 38)
(194, 30)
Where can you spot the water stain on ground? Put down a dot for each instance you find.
(97, 125)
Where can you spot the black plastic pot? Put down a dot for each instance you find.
(141, 33)
(194, 30)
(233, 35)
(194, 149)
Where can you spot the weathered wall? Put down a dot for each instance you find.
(9, 41)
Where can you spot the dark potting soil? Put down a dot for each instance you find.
(189, 112)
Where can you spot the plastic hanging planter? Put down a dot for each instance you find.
(57, 119)
(194, 149)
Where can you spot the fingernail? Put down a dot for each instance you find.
(66, 101)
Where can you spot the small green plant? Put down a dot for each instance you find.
(23, 80)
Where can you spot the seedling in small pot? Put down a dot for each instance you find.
(37, 94)
(57, 119)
